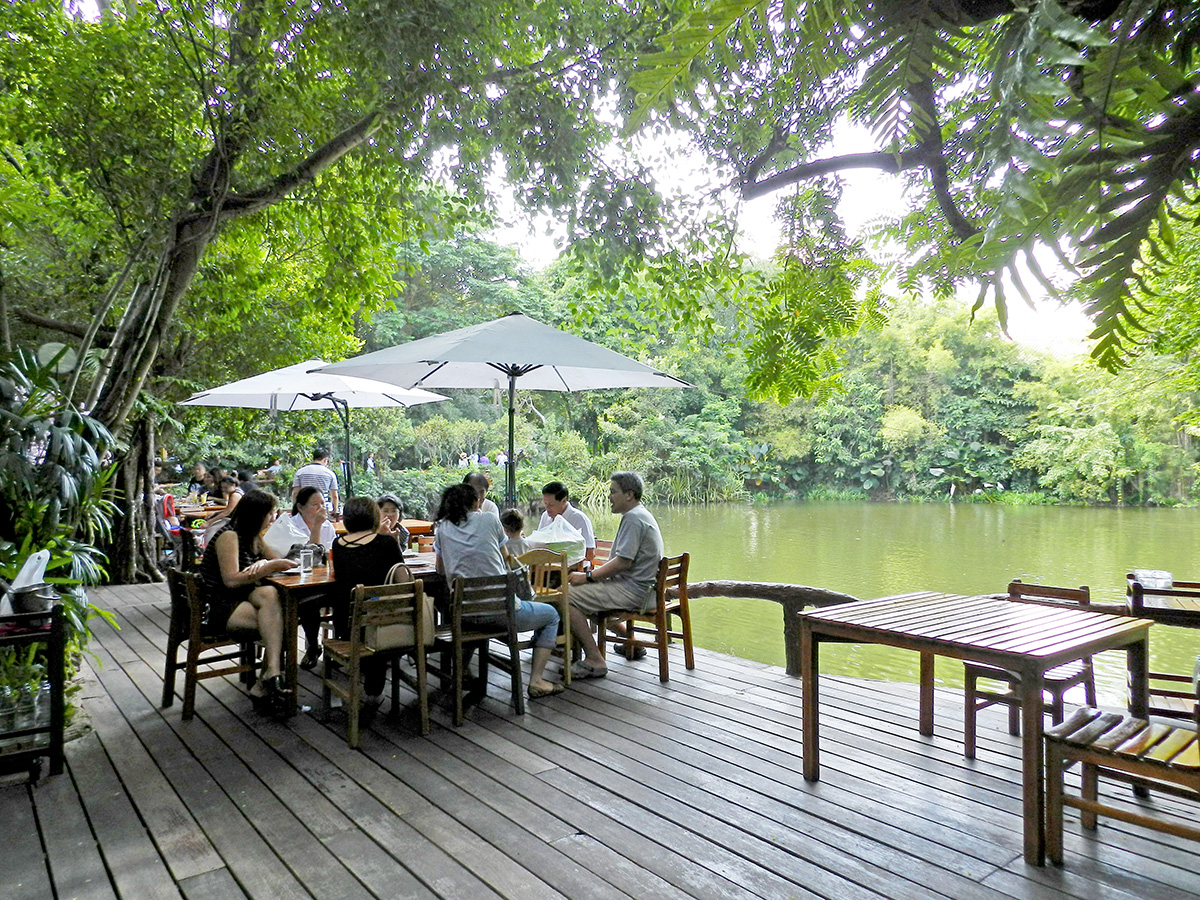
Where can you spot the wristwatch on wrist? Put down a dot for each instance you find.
(588, 576)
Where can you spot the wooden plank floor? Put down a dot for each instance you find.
(617, 788)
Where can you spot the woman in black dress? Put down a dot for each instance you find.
(234, 564)
(361, 556)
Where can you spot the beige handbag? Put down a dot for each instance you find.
(385, 637)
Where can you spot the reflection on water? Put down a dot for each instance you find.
(872, 550)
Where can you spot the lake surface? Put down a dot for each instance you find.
(872, 550)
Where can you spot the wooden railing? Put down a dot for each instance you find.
(792, 597)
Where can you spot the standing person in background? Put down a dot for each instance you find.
(317, 474)
(555, 499)
(369, 463)
(481, 483)
(626, 581)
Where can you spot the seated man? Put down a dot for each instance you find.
(626, 581)
(555, 499)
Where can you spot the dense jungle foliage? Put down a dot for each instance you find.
(930, 405)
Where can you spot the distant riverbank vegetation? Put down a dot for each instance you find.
(927, 405)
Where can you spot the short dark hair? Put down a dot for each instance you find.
(245, 474)
(303, 496)
(478, 481)
(457, 501)
(361, 514)
(512, 520)
(631, 482)
(557, 489)
(320, 452)
(392, 499)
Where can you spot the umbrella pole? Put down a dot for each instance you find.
(343, 411)
(510, 470)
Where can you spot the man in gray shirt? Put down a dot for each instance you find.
(626, 581)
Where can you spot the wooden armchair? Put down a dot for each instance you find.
(1057, 681)
(387, 622)
(188, 626)
(548, 575)
(652, 629)
(482, 609)
(1170, 695)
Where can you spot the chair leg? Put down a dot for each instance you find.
(168, 694)
(970, 712)
(459, 717)
(189, 679)
(1054, 804)
(514, 656)
(1057, 707)
(664, 673)
(685, 627)
(1014, 715)
(1089, 690)
(1088, 789)
(353, 702)
(326, 692)
(422, 690)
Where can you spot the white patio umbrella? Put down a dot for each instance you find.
(506, 349)
(298, 388)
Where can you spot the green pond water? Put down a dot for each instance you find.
(872, 550)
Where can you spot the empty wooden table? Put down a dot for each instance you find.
(1023, 637)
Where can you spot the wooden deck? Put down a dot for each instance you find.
(617, 788)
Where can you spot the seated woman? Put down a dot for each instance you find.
(234, 564)
(363, 555)
(390, 513)
(309, 524)
(467, 542)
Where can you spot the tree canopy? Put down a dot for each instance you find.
(1070, 126)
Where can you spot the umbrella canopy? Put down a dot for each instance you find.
(506, 349)
(297, 388)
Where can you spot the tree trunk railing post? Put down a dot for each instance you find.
(792, 597)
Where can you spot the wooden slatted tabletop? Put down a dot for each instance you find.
(1024, 637)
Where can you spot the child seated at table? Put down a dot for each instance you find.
(514, 527)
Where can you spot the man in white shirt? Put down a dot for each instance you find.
(318, 474)
(555, 498)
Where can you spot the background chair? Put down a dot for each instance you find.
(399, 608)
(548, 574)
(653, 629)
(1057, 681)
(1171, 695)
(188, 625)
(482, 609)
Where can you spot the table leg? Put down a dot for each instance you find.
(925, 722)
(1137, 658)
(1033, 784)
(291, 626)
(809, 662)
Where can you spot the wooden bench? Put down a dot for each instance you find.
(1124, 748)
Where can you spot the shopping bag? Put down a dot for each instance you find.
(559, 536)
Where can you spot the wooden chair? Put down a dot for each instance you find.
(653, 629)
(1057, 681)
(548, 574)
(482, 609)
(425, 543)
(1170, 694)
(188, 625)
(398, 607)
(603, 553)
(1127, 749)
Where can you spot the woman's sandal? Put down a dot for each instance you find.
(271, 702)
(536, 693)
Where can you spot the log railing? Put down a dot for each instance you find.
(792, 597)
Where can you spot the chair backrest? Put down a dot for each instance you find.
(547, 570)
(672, 573)
(187, 601)
(425, 543)
(480, 597)
(386, 616)
(168, 506)
(603, 553)
(1048, 595)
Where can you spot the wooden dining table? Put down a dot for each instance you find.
(296, 587)
(1027, 638)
